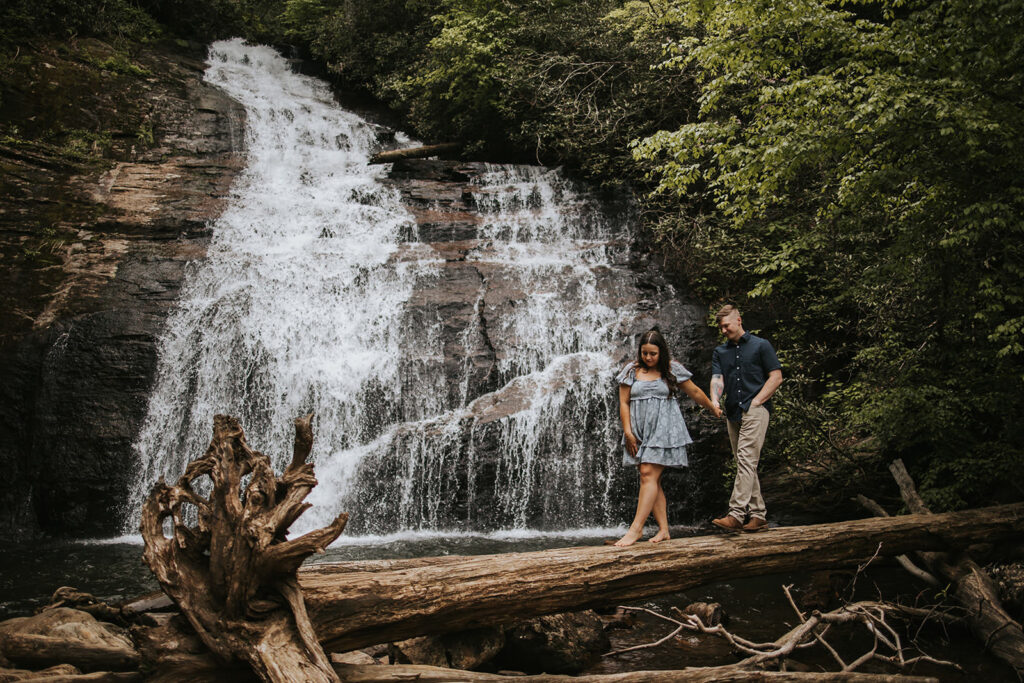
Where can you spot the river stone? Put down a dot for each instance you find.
(70, 630)
(555, 644)
(466, 650)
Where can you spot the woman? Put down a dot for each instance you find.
(654, 434)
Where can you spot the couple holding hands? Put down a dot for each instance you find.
(744, 368)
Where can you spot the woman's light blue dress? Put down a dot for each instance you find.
(656, 419)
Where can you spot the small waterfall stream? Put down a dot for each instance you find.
(317, 294)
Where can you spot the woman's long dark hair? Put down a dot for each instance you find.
(653, 336)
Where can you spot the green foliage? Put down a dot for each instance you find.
(118, 63)
(856, 174)
(25, 20)
(561, 82)
(566, 82)
(84, 145)
(22, 21)
(364, 42)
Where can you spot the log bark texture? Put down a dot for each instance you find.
(354, 605)
(368, 673)
(973, 588)
(423, 152)
(234, 574)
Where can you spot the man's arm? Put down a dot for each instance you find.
(769, 388)
(717, 388)
(717, 381)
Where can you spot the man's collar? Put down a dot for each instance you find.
(743, 340)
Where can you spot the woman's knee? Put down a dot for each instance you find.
(649, 472)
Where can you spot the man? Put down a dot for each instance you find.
(747, 370)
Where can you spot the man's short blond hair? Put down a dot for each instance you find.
(724, 312)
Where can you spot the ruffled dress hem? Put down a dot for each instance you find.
(669, 457)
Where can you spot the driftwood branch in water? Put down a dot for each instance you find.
(442, 149)
(812, 630)
(234, 574)
(357, 604)
(904, 561)
(972, 586)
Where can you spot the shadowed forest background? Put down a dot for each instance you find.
(851, 175)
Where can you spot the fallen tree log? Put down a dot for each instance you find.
(370, 673)
(353, 605)
(423, 152)
(972, 587)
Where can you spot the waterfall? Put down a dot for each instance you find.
(316, 294)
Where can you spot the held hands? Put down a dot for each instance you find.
(716, 410)
(632, 445)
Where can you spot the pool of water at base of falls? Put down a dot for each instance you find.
(757, 608)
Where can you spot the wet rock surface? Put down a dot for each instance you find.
(109, 177)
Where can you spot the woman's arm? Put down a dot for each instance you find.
(699, 397)
(627, 428)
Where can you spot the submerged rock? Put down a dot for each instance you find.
(556, 644)
(465, 650)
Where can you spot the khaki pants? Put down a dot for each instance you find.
(747, 437)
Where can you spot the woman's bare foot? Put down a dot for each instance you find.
(662, 535)
(630, 538)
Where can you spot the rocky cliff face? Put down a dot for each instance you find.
(110, 167)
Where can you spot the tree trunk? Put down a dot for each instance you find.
(972, 586)
(233, 574)
(416, 152)
(357, 604)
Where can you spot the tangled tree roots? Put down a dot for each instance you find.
(234, 573)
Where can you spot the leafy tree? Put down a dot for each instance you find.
(856, 174)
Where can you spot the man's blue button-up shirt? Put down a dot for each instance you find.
(744, 367)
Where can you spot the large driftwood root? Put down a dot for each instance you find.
(234, 573)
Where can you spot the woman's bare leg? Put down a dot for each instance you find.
(661, 515)
(650, 475)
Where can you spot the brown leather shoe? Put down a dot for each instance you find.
(755, 524)
(729, 523)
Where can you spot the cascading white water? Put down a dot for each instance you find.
(296, 306)
(302, 304)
